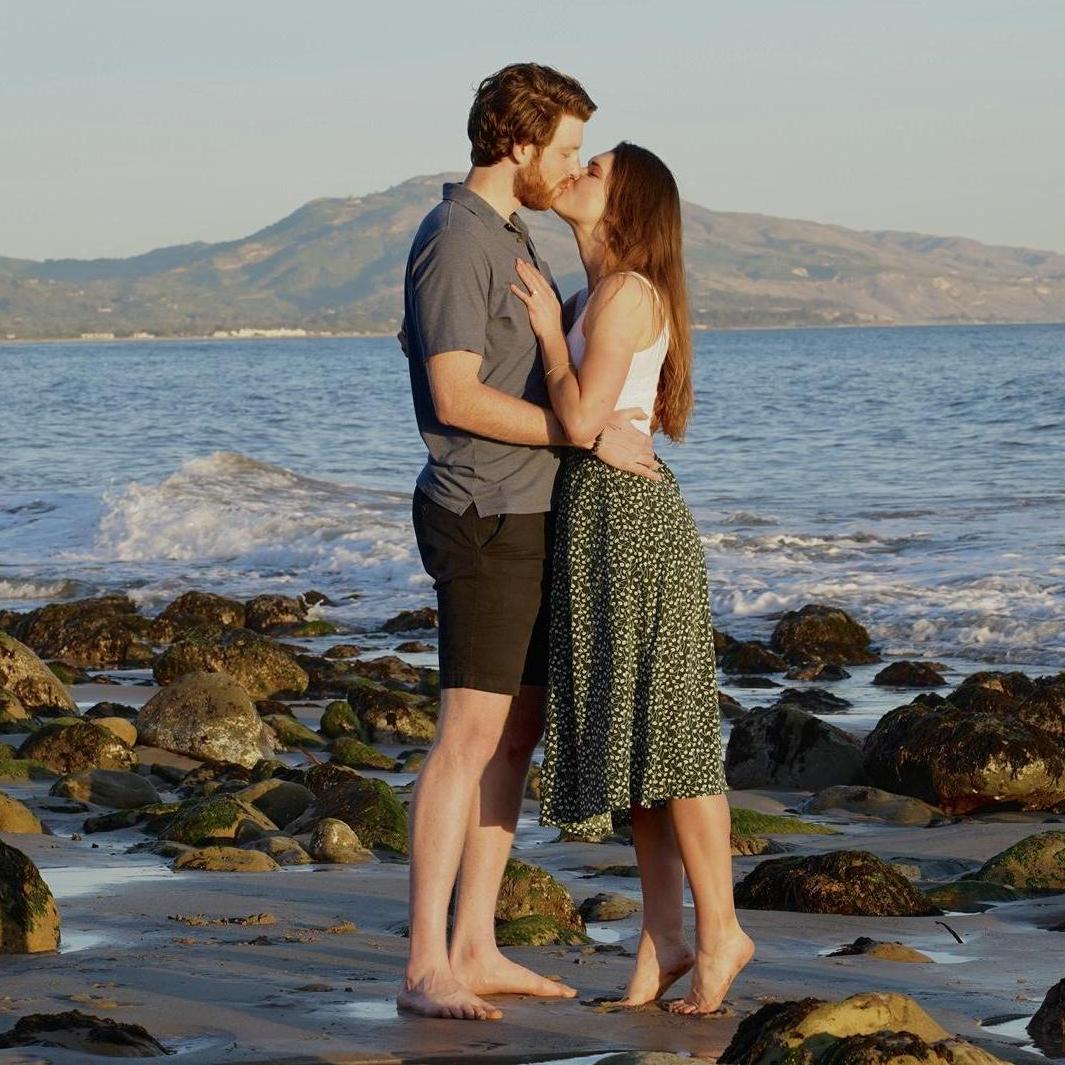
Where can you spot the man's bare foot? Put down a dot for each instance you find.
(495, 974)
(658, 967)
(715, 969)
(439, 994)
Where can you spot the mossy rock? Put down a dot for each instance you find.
(529, 890)
(293, 733)
(25, 676)
(391, 716)
(843, 882)
(358, 755)
(221, 817)
(748, 822)
(84, 1035)
(283, 849)
(68, 747)
(368, 807)
(318, 627)
(875, 802)
(16, 770)
(29, 919)
(152, 817)
(198, 610)
(222, 859)
(1035, 864)
(282, 801)
(17, 818)
(67, 674)
(339, 719)
(12, 712)
(971, 896)
(822, 632)
(536, 930)
(266, 612)
(116, 788)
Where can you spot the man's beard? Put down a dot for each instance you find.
(531, 190)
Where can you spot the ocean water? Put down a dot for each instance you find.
(913, 476)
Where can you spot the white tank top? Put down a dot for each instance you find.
(641, 384)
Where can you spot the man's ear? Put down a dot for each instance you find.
(522, 154)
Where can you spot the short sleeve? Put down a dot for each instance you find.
(450, 281)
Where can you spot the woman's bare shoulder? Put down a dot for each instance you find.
(624, 303)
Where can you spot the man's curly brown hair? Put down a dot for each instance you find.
(522, 104)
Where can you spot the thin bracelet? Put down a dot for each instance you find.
(554, 368)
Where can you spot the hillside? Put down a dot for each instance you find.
(336, 265)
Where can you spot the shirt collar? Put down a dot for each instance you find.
(457, 192)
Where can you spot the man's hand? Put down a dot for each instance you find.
(624, 447)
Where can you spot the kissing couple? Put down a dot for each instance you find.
(571, 583)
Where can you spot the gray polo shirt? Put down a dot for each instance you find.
(457, 298)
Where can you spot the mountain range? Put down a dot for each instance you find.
(336, 265)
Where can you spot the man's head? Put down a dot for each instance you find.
(531, 117)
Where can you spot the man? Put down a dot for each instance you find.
(481, 514)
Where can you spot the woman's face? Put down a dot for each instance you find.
(584, 201)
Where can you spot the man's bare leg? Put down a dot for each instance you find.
(476, 961)
(468, 736)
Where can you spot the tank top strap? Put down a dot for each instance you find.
(634, 273)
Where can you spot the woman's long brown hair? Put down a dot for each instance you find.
(641, 228)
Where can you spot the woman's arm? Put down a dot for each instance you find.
(618, 322)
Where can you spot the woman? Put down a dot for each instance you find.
(633, 719)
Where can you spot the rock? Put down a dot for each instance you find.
(729, 707)
(256, 662)
(747, 822)
(29, 920)
(369, 807)
(1016, 685)
(11, 708)
(527, 889)
(195, 610)
(532, 782)
(813, 700)
(116, 788)
(390, 671)
(1047, 1027)
(748, 845)
(648, 1057)
(266, 612)
(870, 1028)
(536, 930)
(20, 770)
(413, 620)
(905, 674)
(971, 896)
(843, 882)
(283, 849)
(893, 951)
(334, 841)
(964, 760)
(125, 730)
(322, 778)
(415, 647)
(339, 719)
(292, 733)
(875, 802)
(751, 681)
(84, 1033)
(751, 657)
(788, 747)
(225, 860)
(206, 716)
(66, 748)
(220, 817)
(821, 632)
(358, 755)
(608, 907)
(1044, 708)
(153, 817)
(391, 716)
(87, 632)
(412, 761)
(29, 680)
(342, 650)
(17, 818)
(817, 670)
(1035, 864)
(282, 801)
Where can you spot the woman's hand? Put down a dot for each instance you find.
(545, 312)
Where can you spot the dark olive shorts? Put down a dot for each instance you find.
(492, 580)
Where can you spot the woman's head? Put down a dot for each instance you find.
(629, 199)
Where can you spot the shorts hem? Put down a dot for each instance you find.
(481, 682)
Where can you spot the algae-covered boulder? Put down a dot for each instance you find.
(125, 730)
(784, 746)
(870, 1028)
(85, 1034)
(822, 632)
(388, 670)
(283, 849)
(747, 822)
(608, 907)
(119, 789)
(29, 920)
(220, 817)
(907, 674)
(206, 716)
(971, 896)
(413, 620)
(358, 755)
(1044, 706)
(963, 760)
(266, 612)
(29, 680)
(195, 610)
(281, 801)
(292, 733)
(1034, 864)
(391, 716)
(261, 667)
(68, 747)
(529, 890)
(751, 657)
(844, 882)
(223, 859)
(536, 930)
(21, 770)
(99, 632)
(874, 802)
(334, 841)
(339, 719)
(12, 712)
(1047, 1027)
(878, 948)
(370, 808)
(17, 818)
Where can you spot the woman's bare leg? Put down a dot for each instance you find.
(702, 826)
(663, 956)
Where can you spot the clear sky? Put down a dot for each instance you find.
(130, 124)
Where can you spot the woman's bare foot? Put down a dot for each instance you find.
(439, 994)
(495, 974)
(658, 967)
(715, 969)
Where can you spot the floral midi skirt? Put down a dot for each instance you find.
(632, 707)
